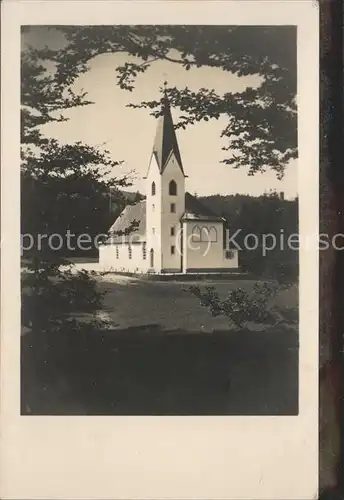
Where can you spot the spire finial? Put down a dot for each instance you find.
(165, 90)
(164, 96)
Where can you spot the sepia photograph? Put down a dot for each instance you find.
(160, 241)
(159, 220)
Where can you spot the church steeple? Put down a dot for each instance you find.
(165, 140)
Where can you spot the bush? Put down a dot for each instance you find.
(240, 306)
(54, 293)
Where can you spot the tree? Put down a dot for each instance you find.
(42, 97)
(64, 187)
(261, 132)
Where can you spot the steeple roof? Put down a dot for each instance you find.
(165, 140)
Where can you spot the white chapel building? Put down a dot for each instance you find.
(173, 231)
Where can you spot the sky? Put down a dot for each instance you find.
(129, 133)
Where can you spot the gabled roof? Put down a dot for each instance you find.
(131, 214)
(165, 142)
(195, 210)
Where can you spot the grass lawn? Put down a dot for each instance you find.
(134, 302)
(189, 364)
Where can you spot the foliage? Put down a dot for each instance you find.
(42, 96)
(261, 129)
(64, 187)
(55, 294)
(240, 306)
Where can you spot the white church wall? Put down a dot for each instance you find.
(170, 220)
(124, 257)
(203, 247)
(153, 213)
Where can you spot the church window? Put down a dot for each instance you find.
(173, 230)
(173, 250)
(173, 208)
(153, 230)
(209, 234)
(205, 236)
(144, 251)
(196, 233)
(117, 252)
(153, 207)
(130, 252)
(212, 234)
(172, 188)
(153, 188)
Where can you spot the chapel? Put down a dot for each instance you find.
(170, 231)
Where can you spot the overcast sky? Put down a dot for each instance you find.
(129, 133)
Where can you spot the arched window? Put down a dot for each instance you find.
(205, 236)
(209, 235)
(172, 188)
(212, 234)
(153, 188)
(196, 233)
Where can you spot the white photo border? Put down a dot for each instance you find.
(159, 457)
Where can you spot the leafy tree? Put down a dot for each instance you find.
(261, 130)
(64, 187)
(43, 98)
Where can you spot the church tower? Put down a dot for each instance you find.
(165, 199)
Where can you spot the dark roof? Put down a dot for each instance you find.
(131, 214)
(165, 140)
(195, 210)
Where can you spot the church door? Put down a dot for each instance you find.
(151, 258)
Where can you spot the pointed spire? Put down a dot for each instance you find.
(165, 140)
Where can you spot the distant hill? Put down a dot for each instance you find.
(132, 197)
(119, 199)
(233, 207)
